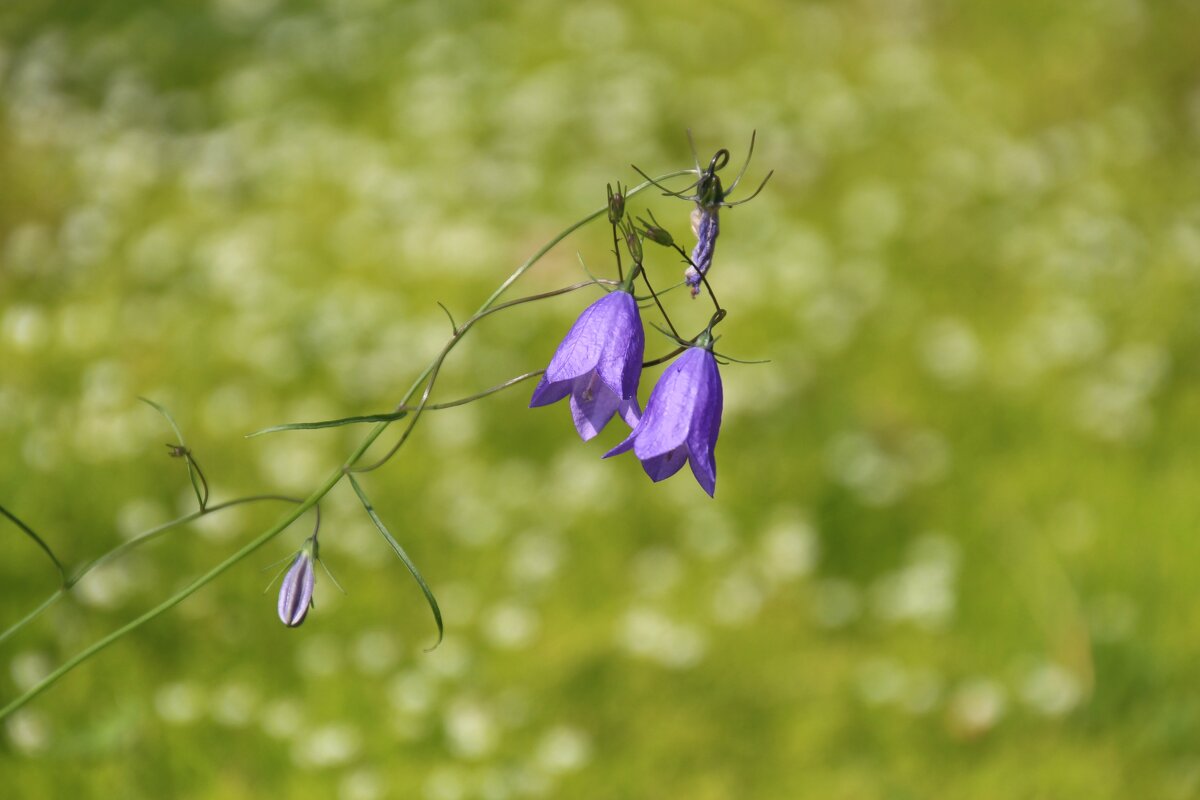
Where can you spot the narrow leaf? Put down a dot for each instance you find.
(62, 573)
(167, 414)
(331, 423)
(195, 475)
(412, 568)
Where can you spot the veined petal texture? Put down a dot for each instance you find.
(598, 364)
(682, 420)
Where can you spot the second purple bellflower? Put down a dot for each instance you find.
(682, 420)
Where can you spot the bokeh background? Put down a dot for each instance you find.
(953, 548)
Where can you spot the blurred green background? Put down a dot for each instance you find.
(952, 552)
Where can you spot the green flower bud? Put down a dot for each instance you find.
(616, 204)
(656, 233)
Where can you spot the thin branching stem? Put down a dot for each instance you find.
(617, 252)
(717, 308)
(32, 615)
(118, 551)
(654, 362)
(703, 275)
(399, 413)
(181, 595)
(499, 387)
(331, 480)
(423, 405)
(658, 303)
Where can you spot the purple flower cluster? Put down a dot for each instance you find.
(599, 365)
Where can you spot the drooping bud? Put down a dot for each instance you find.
(295, 595)
(616, 204)
(633, 242)
(656, 233)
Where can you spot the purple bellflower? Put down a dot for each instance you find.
(295, 594)
(598, 364)
(682, 420)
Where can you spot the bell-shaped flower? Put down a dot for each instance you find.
(682, 419)
(598, 364)
(295, 594)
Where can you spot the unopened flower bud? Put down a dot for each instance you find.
(616, 204)
(634, 242)
(295, 595)
(656, 234)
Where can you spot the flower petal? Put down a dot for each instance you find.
(622, 447)
(630, 411)
(582, 347)
(620, 363)
(706, 424)
(548, 392)
(665, 465)
(670, 409)
(592, 405)
(705, 471)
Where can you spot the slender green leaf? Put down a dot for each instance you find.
(62, 573)
(331, 423)
(412, 568)
(167, 414)
(195, 474)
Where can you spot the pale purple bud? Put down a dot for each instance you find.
(295, 595)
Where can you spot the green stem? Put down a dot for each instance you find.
(183, 593)
(32, 615)
(155, 532)
(150, 535)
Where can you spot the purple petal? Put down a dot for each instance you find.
(295, 595)
(632, 375)
(620, 364)
(622, 447)
(592, 405)
(706, 227)
(583, 346)
(630, 411)
(705, 472)
(665, 465)
(670, 409)
(547, 392)
(706, 424)
(682, 421)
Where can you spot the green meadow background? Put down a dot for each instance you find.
(953, 550)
